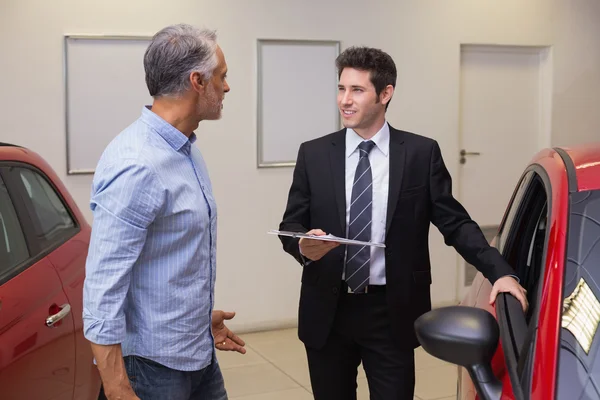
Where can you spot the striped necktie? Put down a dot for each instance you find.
(361, 214)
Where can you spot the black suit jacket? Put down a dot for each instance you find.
(420, 193)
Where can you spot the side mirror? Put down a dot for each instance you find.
(465, 336)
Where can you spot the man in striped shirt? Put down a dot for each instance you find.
(150, 273)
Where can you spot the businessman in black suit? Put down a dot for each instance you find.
(372, 182)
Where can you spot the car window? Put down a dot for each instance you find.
(52, 216)
(579, 359)
(512, 211)
(524, 244)
(13, 247)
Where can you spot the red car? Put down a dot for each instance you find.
(550, 234)
(44, 241)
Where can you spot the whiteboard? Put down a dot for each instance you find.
(297, 91)
(105, 91)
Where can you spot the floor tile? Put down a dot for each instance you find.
(363, 390)
(277, 345)
(293, 394)
(362, 393)
(436, 383)
(425, 360)
(231, 359)
(275, 367)
(296, 368)
(256, 379)
(271, 336)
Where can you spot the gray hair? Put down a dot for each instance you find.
(174, 53)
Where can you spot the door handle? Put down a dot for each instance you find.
(65, 309)
(464, 153)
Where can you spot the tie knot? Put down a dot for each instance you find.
(365, 148)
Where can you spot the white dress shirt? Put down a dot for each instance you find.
(380, 169)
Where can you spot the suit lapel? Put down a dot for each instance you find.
(397, 160)
(337, 158)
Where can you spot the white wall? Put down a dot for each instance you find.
(255, 277)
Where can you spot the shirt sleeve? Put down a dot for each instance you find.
(126, 199)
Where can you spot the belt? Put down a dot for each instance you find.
(368, 289)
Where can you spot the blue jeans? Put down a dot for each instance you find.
(154, 381)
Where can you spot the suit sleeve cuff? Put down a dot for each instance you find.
(512, 276)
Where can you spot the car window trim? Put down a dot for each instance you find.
(508, 326)
(571, 170)
(518, 339)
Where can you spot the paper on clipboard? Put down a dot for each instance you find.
(329, 238)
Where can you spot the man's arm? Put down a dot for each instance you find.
(112, 372)
(296, 217)
(125, 201)
(461, 232)
(457, 227)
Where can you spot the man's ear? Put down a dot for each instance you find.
(198, 82)
(386, 94)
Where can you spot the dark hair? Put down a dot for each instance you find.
(380, 65)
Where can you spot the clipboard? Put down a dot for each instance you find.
(326, 238)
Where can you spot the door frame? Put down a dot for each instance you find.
(544, 136)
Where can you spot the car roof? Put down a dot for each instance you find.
(13, 152)
(586, 162)
(19, 154)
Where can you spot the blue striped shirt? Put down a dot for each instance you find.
(150, 270)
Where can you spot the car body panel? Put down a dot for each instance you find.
(61, 273)
(36, 362)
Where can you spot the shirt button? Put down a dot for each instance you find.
(335, 290)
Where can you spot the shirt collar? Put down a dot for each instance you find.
(381, 140)
(168, 132)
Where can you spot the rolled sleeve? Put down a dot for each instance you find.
(125, 201)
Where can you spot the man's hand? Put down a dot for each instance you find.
(225, 339)
(508, 284)
(315, 249)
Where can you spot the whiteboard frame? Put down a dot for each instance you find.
(66, 39)
(261, 163)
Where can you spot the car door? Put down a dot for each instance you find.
(60, 230)
(522, 240)
(478, 296)
(37, 345)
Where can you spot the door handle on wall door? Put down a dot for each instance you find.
(464, 153)
(65, 309)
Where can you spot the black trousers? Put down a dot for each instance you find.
(361, 332)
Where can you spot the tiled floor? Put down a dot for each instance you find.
(275, 368)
